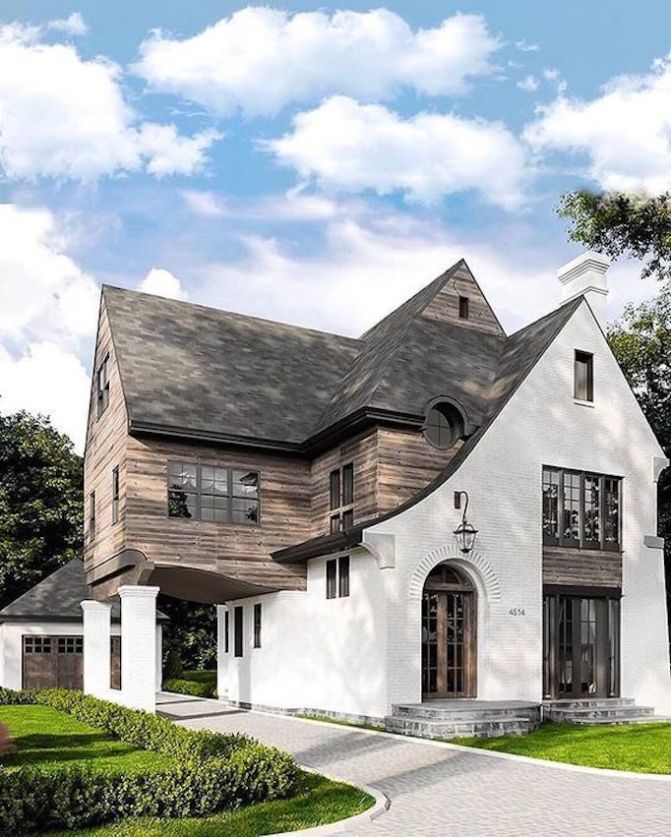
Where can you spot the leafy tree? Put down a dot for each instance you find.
(41, 508)
(190, 639)
(641, 341)
(617, 224)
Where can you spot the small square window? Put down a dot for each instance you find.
(584, 376)
(335, 524)
(181, 504)
(464, 305)
(245, 511)
(331, 571)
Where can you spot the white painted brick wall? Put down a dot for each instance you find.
(138, 647)
(362, 654)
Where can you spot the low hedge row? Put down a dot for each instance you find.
(190, 687)
(211, 772)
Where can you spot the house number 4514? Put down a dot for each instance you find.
(517, 611)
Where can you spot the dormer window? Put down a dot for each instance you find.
(463, 307)
(583, 376)
(444, 425)
(103, 386)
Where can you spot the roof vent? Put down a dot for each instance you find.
(586, 276)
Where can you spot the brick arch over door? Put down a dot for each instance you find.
(474, 563)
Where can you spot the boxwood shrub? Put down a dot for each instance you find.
(211, 771)
(190, 687)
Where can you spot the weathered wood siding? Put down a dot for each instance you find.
(445, 305)
(241, 551)
(105, 449)
(582, 567)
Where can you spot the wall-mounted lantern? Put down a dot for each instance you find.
(465, 533)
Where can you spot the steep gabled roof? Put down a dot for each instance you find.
(518, 355)
(58, 597)
(188, 367)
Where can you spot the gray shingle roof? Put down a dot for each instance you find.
(58, 596)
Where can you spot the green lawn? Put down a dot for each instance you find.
(319, 801)
(641, 748)
(49, 740)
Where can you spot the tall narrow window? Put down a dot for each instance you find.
(348, 484)
(571, 510)
(611, 516)
(331, 570)
(550, 505)
(343, 576)
(334, 489)
(92, 514)
(463, 307)
(115, 494)
(584, 376)
(341, 498)
(103, 386)
(592, 516)
(257, 626)
(226, 629)
(237, 630)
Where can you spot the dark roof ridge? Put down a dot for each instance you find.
(210, 308)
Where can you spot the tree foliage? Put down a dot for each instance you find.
(190, 638)
(641, 341)
(619, 224)
(41, 505)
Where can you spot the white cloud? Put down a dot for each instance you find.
(43, 292)
(64, 117)
(529, 84)
(524, 46)
(350, 147)
(259, 60)
(74, 25)
(294, 205)
(50, 380)
(161, 282)
(625, 131)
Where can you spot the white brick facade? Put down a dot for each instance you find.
(361, 654)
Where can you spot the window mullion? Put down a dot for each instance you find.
(560, 510)
(581, 514)
(602, 512)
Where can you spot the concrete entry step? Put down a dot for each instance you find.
(576, 703)
(467, 710)
(484, 727)
(597, 711)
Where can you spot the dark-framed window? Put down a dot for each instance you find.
(337, 577)
(257, 625)
(331, 574)
(102, 386)
(213, 494)
(581, 509)
(92, 514)
(37, 644)
(464, 305)
(443, 425)
(583, 376)
(343, 576)
(238, 627)
(226, 629)
(341, 498)
(70, 645)
(115, 494)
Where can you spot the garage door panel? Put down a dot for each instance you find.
(40, 662)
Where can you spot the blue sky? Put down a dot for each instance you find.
(310, 163)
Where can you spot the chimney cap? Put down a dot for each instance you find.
(591, 261)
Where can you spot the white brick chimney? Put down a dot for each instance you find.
(586, 276)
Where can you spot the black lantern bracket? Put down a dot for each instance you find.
(465, 533)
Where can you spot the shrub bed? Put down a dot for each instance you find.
(212, 772)
(190, 687)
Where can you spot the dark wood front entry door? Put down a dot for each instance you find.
(581, 653)
(448, 638)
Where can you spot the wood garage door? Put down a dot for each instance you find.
(50, 661)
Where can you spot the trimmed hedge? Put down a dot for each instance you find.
(212, 772)
(190, 687)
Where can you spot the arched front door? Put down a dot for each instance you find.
(449, 623)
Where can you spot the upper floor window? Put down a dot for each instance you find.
(103, 386)
(210, 493)
(341, 498)
(581, 509)
(464, 304)
(443, 426)
(115, 494)
(584, 376)
(92, 514)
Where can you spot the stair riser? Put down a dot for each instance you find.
(481, 729)
(456, 715)
(597, 703)
(621, 712)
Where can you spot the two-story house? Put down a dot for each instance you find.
(433, 510)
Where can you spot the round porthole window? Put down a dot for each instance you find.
(444, 425)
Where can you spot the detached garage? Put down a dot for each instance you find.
(41, 634)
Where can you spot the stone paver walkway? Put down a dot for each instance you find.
(450, 792)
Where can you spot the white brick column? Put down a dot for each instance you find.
(97, 647)
(222, 656)
(159, 657)
(138, 646)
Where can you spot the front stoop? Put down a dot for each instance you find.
(593, 711)
(442, 719)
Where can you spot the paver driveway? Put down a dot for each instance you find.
(443, 791)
